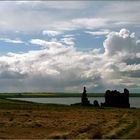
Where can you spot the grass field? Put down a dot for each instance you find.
(27, 120)
(36, 95)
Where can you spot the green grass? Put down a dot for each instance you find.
(41, 95)
(36, 95)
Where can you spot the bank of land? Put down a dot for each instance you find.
(40, 121)
(41, 95)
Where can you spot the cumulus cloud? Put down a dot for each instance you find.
(122, 43)
(59, 66)
(44, 70)
(121, 61)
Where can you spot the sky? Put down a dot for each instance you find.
(61, 46)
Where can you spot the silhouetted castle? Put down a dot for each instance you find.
(116, 99)
(112, 99)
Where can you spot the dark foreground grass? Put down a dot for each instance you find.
(28, 120)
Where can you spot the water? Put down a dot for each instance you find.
(134, 101)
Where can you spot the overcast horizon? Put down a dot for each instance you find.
(61, 46)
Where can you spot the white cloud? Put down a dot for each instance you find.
(14, 41)
(46, 44)
(90, 23)
(68, 41)
(59, 66)
(37, 16)
(79, 23)
(70, 15)
(43, 70)
(68, 5)
(98, 33)
(54, 43)
(121, 15)
(121, 43)
(121, 61)
(51, 33)
(69, 35)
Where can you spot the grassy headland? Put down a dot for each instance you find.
(36, 95)
(27, 120)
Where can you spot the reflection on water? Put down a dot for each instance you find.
(134, 101)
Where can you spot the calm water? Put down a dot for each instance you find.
(134, 101)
